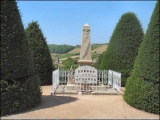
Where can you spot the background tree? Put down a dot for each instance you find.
(69, 62)
(123, 46)
(61, 49)
(42, 59)
(142, 88)
(19, 84)
(97, 64)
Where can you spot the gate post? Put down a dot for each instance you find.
(55, 81)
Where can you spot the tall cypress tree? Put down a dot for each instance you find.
(142, 88)
(19, 84)
(123, 46)
(42, 59)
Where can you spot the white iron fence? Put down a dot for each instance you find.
(102, 77)
(63, 76)
(110, 77)
(114, 79)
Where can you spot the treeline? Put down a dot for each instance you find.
(60, 49)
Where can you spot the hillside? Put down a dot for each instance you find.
(95, 52)
(73, 57)
(75, 52)
(100, 49)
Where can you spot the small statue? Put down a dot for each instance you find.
(70, 78)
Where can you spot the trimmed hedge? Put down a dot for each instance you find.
(19, 85)
(42, 59)
(142, 89)
(123, 47)
(16, 61)
(142, 94)
(20, 96)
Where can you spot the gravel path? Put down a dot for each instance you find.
(80, 107)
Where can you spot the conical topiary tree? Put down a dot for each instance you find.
(123, 46)
(19, 84)
(42, 59)
(142, 88)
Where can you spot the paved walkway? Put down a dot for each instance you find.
(80, 107)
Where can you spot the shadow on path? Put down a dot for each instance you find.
(50, 101)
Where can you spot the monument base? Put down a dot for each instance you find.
(79, 93)
(85, 62)
(52, 93)
(71, 87)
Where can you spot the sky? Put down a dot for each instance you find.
(62, 21)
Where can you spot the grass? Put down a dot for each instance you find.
(94, 56)
(74, 51)
(74, 57)
(95, 46)
(100, 49)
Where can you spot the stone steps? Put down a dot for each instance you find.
(109, 91)
(60, 89)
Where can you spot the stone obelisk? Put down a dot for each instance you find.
(85, 53)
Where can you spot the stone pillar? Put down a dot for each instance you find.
(85, 53)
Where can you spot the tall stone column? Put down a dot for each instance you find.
(85, 53)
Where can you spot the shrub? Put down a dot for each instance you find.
(42, 59)
(123, 47)
(70, 62)
(142, 88)
(19, 84)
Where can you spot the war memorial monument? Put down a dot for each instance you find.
(86, 79)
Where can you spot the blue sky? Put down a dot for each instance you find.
(62, 21)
